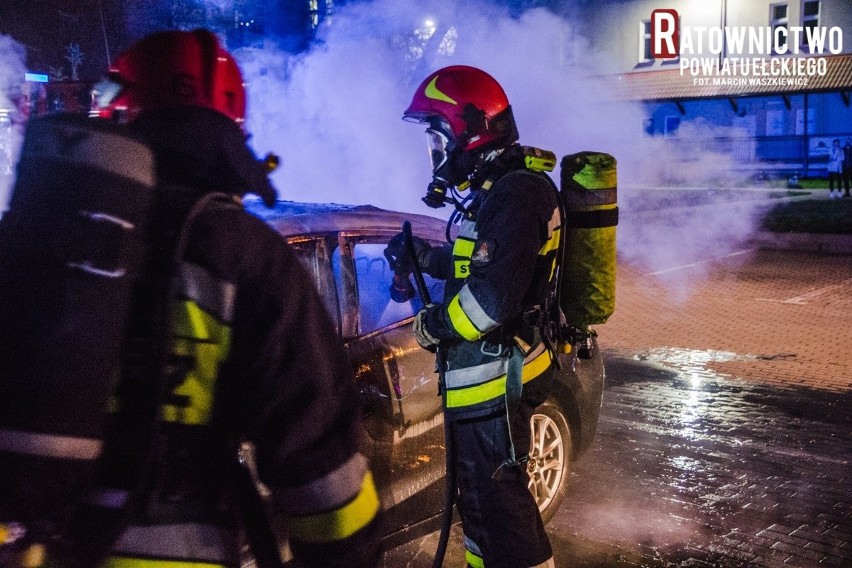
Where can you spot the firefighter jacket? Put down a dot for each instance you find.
(499, 268)
(255, 357)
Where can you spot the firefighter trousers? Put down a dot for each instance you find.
(500, 518)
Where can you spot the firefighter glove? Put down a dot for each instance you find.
(421, 334)
(397, 254)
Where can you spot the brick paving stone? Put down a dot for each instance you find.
(745, 310)
(731, 446)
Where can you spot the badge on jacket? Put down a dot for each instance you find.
(483, 253)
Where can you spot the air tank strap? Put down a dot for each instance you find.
(592, 219)
(514, 389)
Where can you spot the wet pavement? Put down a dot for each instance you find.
(726, 433)
(691, 468)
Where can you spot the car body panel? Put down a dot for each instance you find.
(403, 422)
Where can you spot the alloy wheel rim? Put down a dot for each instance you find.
(547, 455)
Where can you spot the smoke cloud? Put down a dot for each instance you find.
(339, 105)
(333, 114)
(12, 69)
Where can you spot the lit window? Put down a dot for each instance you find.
(645, 41)
(313, 11)
(777, 18)
(671, 124)
(448, 42)
(810, 21)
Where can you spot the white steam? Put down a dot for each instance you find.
(12, 69)
(339, 106)
(333, 113)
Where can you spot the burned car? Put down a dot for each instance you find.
(343, 248)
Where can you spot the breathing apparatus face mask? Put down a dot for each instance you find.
(446, 157)
(439, 145)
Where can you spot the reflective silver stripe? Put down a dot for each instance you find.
(325, 493)
(97, 149)
(470, 376)
(467, 229)
(215, 296)
(108, 498)
(49, 445)
(474, 311)
(189, 541)
(472, 546)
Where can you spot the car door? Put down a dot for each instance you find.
(403, 417)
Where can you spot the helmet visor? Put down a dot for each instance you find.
(439, 148)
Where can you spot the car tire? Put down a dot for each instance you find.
(550, 458)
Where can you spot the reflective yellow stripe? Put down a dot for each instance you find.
(341, 523)
(463, 247)
(473, 560)
(458, 398)
(122, 562)
(461, 322)
(433, 92)
(551, 244)
(462, 251)
(200, 336)
(462, 268)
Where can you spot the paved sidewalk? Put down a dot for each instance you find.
(798, 334)
(733, 456)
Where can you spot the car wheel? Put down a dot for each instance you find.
(550, 458)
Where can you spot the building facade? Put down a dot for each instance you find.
(775, 76)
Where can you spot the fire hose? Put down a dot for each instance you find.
(449, 444)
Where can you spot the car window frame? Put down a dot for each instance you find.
(316, 252)
(348, 289)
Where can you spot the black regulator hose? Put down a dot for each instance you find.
(450, 478)
(449, 444)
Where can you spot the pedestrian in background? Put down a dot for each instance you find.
(847, 167)
(835, 169)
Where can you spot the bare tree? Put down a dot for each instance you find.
(75, 56)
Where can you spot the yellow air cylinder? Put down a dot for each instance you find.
(588, 183)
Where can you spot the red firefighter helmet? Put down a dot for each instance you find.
(469, 102)
(173, 69)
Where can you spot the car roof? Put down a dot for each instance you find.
(291, 218)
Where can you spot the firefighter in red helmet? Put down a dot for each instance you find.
(499, 272)
(254, 356)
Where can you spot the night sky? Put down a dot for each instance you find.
(46, 27)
